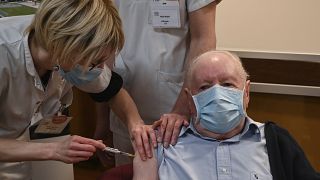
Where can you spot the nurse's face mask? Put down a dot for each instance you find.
(219, 109)
(78, 75)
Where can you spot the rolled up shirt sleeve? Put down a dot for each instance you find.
(193, 5)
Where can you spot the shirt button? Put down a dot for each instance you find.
(224, 170)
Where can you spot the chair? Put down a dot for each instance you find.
(123, 172)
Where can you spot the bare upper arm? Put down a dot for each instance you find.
(202, 22)
(145, 170)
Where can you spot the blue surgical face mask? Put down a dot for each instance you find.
(219, 109)
(79, 76)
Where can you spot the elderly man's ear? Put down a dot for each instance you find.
(191, 106)
(246, 97)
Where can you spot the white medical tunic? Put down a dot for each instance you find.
(152, 60)
(23, 98)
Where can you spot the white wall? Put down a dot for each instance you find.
(269, 25)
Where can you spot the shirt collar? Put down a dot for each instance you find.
(29, 62)
(191, 129)
(30, 65)
(251, 129)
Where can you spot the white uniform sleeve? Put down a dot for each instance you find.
(193, 5)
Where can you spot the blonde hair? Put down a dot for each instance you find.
(74, 31)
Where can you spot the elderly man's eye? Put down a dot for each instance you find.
(227, 85)
(202, 88)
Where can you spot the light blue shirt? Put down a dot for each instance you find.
(242, 157)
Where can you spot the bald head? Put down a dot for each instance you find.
(219, 64)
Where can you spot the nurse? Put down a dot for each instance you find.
(67, 43)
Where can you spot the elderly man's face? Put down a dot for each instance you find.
(219, 69)
(209, 70)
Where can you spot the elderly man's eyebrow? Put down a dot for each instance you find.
(230, 79)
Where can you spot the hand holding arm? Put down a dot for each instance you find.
(169, 127)
(126, 110)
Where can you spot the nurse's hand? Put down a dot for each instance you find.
(143, 139)
(169, 127)
(76, 149)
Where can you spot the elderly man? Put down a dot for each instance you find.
(222, 142)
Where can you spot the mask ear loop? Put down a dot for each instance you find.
(244, 94)
(196, 117)
(193, 115)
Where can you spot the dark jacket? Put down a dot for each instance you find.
(287, 159)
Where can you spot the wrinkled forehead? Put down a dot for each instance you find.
(218, 66)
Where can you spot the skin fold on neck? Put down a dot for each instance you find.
(204, 132)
